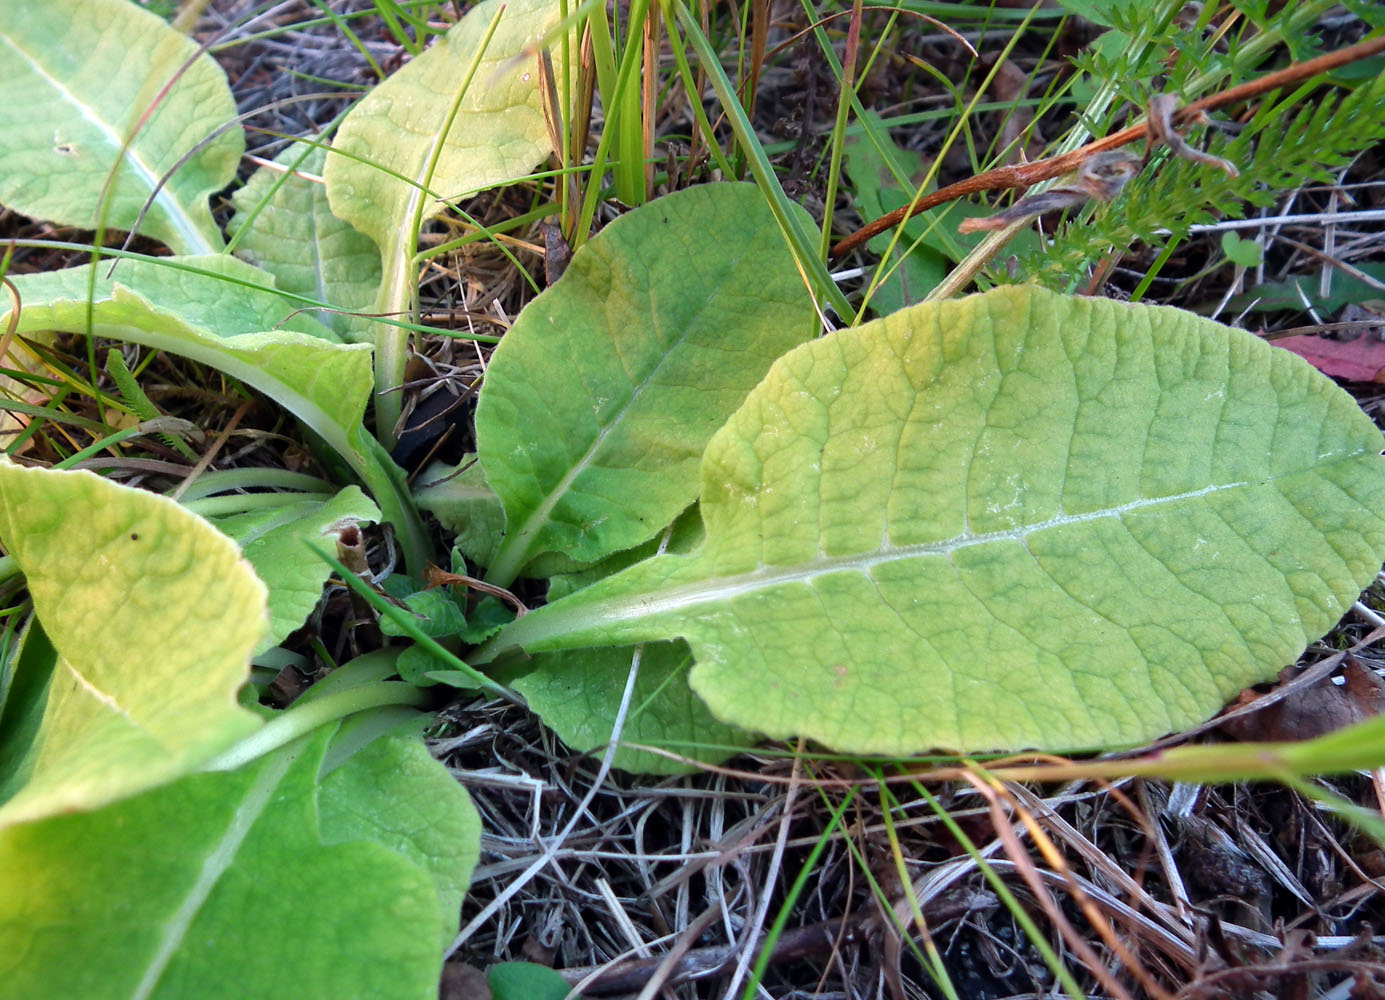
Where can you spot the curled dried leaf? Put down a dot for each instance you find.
(1101, 177)
(1161, 130)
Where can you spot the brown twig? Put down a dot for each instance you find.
(436, 577)
(1026, 174)
(217, 444)
(1101, 178)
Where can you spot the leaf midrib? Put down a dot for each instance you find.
(172, 209)
(225, 353)
(529, 531)
(223, 854)
(676, 598)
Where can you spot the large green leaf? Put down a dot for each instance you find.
(153, 615)
(224, 886)
(601, 397)
(464, 115)
(1014, 520)
(276, 541)
(395, 793)
(405, 146)
(81, 75)
(222, 312)
(289, 230)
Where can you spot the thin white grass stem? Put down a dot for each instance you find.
(752, 931)
(550, 852)
(622, 919)
(1305, 219)
(1367, 615)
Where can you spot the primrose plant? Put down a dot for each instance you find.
(1018, 520)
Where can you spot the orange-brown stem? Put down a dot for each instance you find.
(1025, 174)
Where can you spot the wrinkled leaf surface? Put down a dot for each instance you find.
(290, 231)
(80, 75)
(601, 397)
(224, 886)
(153, 615)
(395, 146)
(395, 793)
(1014, 520)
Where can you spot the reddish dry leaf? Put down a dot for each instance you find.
(1321, 709)
(1360, 360)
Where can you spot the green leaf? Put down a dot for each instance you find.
(222, 312)
(873, 172)
(577, 693)
(81, 75)
(399, 157)
(465, 504)
(222, 886)
(600, 399)
(488, 617)
(273, 540)
(422, 667)
(683, 535)
(452, 678)
(1304, 291)
(394, 793)
(1103, 12)
(289, 230)
(25, 697)
(153, 615)
(1243, 253)
(526, 981)
(1015, 520)
(881, 173)
(215, 297)
(436, 613)
(464, 115)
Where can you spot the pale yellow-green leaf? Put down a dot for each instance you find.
(1015, 520)
(396, 142)
(79, 78)
(219, 311)
(153, 614)
(290, 231)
